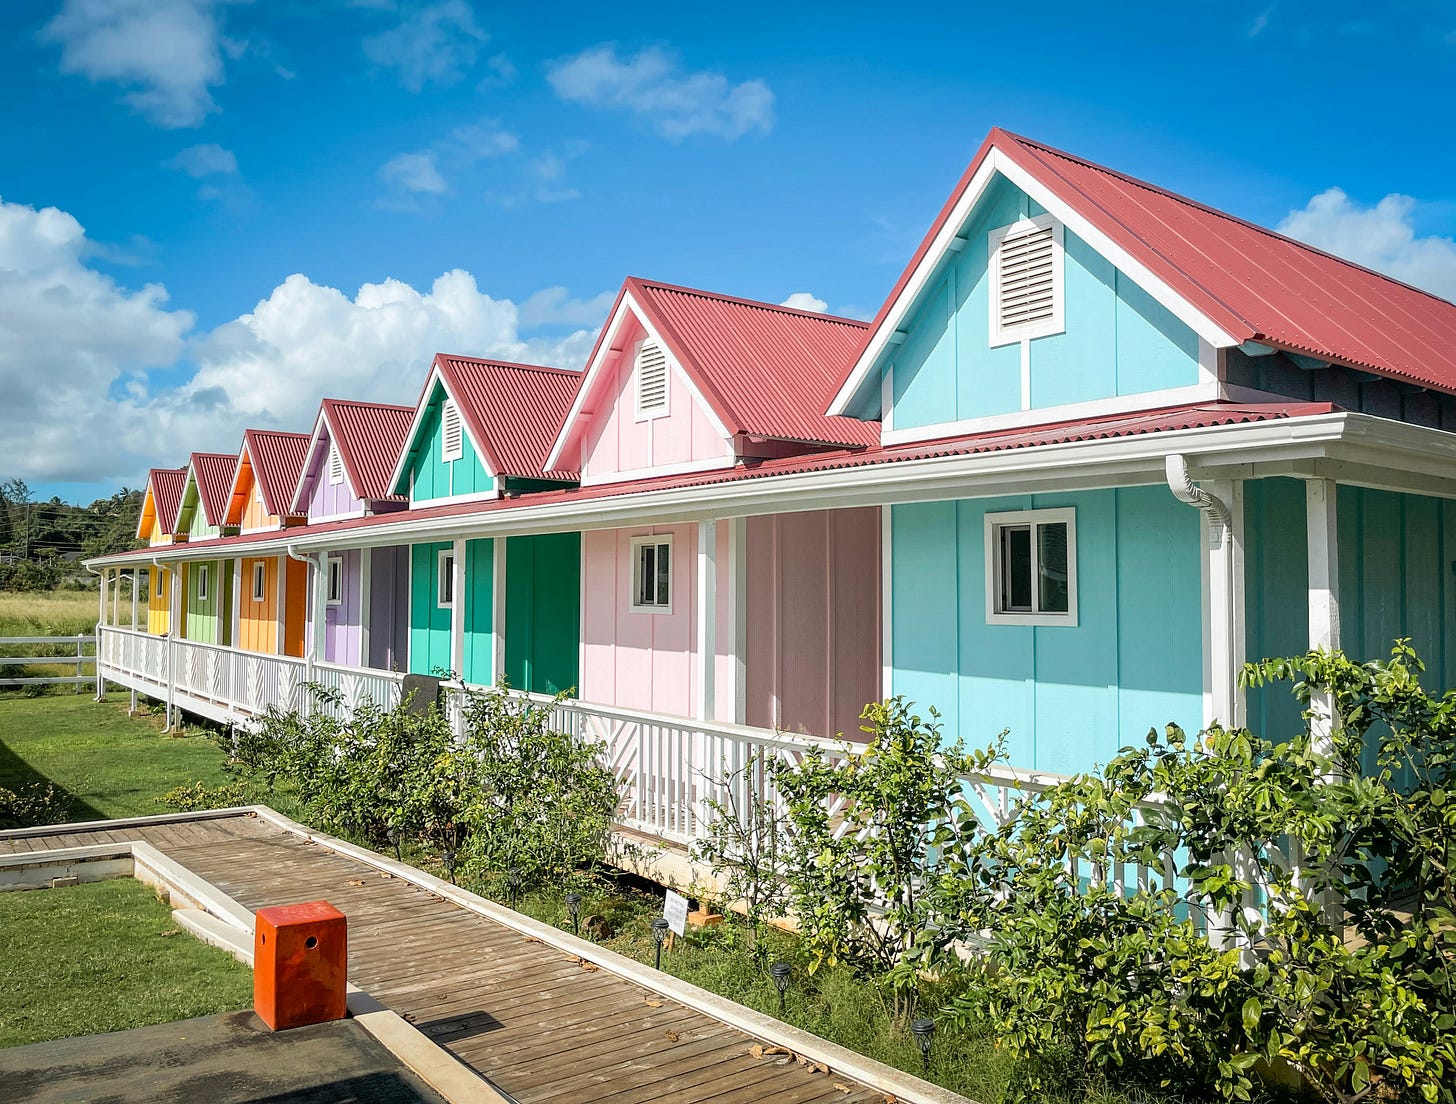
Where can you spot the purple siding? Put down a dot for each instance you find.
(342, 633)
(389, 608)
(327, 499)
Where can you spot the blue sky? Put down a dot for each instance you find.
(227, 177)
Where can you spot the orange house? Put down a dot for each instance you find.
(156, 526)
(272, 603)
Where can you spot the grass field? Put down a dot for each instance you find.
(103, 763)
(105, 957)
(57, 613)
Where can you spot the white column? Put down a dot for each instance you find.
(280, 621)
(366, 582)
(707, 619)
(174, 616)
(1224, 608)
(457, 612)
(238, 602)
(319, 566)
(738, 599)
(101, 589)
(498, 611)
(1322, 535)
(133, 599)
(887, 604)
(115, 597)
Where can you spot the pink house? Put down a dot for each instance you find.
(770, 620)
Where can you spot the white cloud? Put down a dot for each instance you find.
(805, 301)
(102, 382)
(431, 44)
(677, 104)
(208, 159)
(165, 51)
(554, 306)
(414, 172)
(1382, 237)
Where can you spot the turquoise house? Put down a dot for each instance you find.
(486, 607)
(1139, 512)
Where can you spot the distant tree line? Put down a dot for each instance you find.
(39, 541)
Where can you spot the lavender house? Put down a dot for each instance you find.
(351, 456)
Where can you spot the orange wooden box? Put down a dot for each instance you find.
(300, 964)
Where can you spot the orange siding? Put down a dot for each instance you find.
(258, 620)
(295, 606)
(255, 516)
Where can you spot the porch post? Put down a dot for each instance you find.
(233, 641)
(280, 615)
(106, 574)
(366, 583)
(457, 612)
(498, 615)
(704, 770)
(1322, 529)
(1224, 632)
(738, 598)
(133, 599)
(174, 615)
(317, 643)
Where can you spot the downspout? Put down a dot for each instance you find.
(316, 561)
(100, 624)
(1185, 490)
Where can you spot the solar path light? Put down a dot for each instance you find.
(924, 1032)
(573, 906)
(781, 972)
(659, 933)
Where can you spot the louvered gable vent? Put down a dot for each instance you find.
(651, 378)
(1027, 286)
(452, 445)
(336, 465)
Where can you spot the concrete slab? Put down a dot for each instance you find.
(229, 1059)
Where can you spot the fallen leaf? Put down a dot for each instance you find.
(652, 1003)
(843, 1088)
(170, 932)
(385, 874)
(590, 966)
(531, 939)
(755, 1051)
(409, 1017)
(354, 882)
(672, 1036)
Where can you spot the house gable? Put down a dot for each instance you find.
(946, 365)
(609, 433)
(423, 472)
(245, 506)
(326, 491)
(149, 524)
(157, 522)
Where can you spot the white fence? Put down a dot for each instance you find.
(670, 770)
(76, 654)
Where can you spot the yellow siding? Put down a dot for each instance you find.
(158, 601)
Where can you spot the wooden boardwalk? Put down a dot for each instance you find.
(537, 1021)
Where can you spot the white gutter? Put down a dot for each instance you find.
(1127, 461)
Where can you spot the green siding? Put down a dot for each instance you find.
(427, 477)
(479, 611)
(429, 633)
(209, 621)
(543, 612)
(1070, 696)
(192, 516)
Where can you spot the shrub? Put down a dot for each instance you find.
(32, 804)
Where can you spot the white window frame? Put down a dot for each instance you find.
(655, 541)
(335, 568)
(1010, 335)
(995, 523)
(655, 412)
(202, 582)
(446, 454)
(260, 581)
(445, 578)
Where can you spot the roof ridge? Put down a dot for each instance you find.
(366, 402)
(511, 364)
(818, 316)
(1179, 197)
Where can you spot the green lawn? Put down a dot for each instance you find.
(105, 957)
(103, 763)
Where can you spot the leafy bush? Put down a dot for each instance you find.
(198, 796)
(33, 804)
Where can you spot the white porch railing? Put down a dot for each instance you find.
(670, 770)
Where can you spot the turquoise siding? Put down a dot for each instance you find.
(429, 634)
(1071, 697)
(1118, 340)
(427, 477)
(479, 610)
(1394, 581)
(543, 612)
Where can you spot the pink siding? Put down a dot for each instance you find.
(616, 442)
(649, 660)
(813, 620)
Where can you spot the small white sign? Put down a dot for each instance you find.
(675, 912)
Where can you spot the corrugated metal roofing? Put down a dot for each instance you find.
(277, 464)
(166, 486)
(369, 437)
(513, 411)
(767, 370)
(1163, 420)
(1253, 283)
(214, 472)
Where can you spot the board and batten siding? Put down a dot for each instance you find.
(618, 442)
(1395, 552)
(812, 660)
(1069, 697)
(159, 595)
(327, 499)
(209, 620)
(1118, 340)
(389, 604)
(543, 612)
(430, 622)
(434, 479)
(258, 620)
(344, 622)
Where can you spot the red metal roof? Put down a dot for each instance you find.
(214, 473)
(369, 437)
(277, 460)
(165, 486)
(513, 411)
(1251, 282)
(1163, 420)
(766, 370)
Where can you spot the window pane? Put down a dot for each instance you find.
(1016, 569)
(1051, 546)
(447, 580)
(646, 572)
(664, 559)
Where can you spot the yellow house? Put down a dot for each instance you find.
(157, 525)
